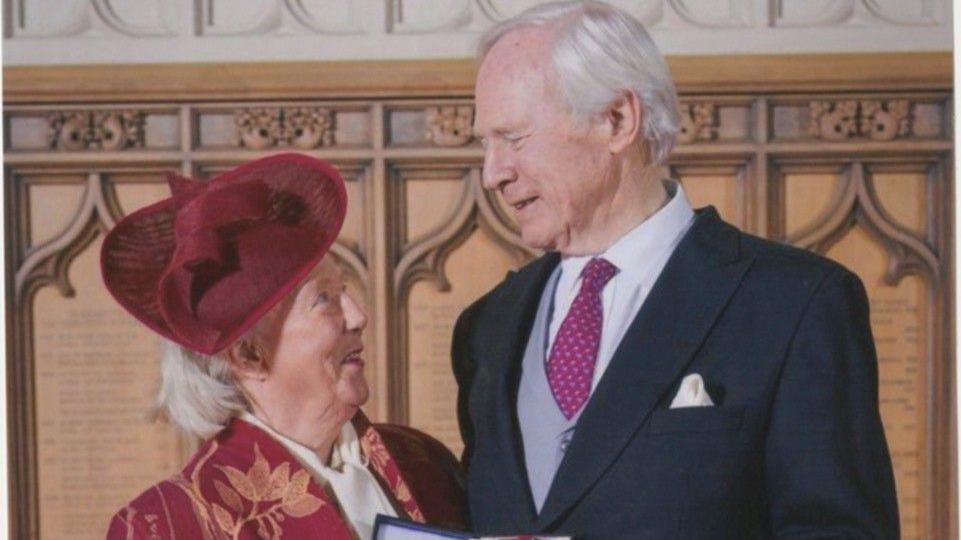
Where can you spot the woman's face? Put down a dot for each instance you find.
(315, 362)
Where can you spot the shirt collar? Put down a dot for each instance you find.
(632, 252)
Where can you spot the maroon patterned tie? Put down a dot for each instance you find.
(570, 365)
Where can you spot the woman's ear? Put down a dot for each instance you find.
(247, 360)
(623, 117)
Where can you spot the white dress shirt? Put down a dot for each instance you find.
(640, 255)
(357, 491)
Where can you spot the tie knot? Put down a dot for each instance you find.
(597, 273)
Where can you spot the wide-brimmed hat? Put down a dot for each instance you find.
(202, 267)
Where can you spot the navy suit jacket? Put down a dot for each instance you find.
(794, 447)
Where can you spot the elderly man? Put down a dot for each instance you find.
(658, 373)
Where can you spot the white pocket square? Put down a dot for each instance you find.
(692, 393)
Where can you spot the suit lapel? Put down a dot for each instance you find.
(517, 308)
(684, 304)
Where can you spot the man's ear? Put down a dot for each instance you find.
(623, 118)
(247, 360)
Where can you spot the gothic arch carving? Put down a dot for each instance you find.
(858, 204)
(425, 258)
(49, 262)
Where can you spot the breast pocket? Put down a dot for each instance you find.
(696, 420)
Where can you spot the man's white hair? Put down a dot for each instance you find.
(197, 392)
(599, 52)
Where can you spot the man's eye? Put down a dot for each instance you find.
(515, 142)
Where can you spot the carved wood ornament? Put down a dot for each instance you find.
(698, 123)
(300, 127)
(424, 258)
(96, 130)
(388, 264)
(858, 204)
(877, 120)
(449, 126)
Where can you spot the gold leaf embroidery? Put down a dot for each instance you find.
(378, 455)
(417, 515)
(304, 505)
(262, 530)
(403, 492)
(380, 461)
(259, 475)
(279, 479)
(229, 496)
(223, 518)
(245, 488)
(297, 486)
(239, 481)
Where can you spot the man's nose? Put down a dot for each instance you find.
(498, 168)
(354, 317)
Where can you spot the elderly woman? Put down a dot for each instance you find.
(264, 361)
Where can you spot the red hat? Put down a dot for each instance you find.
(202, 267)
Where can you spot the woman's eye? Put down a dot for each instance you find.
(322, 298)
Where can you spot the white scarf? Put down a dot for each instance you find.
(360, 496)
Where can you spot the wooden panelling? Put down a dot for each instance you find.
(431, 78)
(842, 154)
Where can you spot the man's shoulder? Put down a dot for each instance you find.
(513, 278)
(787, 268)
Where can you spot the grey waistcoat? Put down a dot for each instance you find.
(544, 430)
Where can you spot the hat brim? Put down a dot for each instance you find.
(136, 253)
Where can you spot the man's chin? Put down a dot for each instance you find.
(538, 240)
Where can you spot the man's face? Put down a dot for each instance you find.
(556, 173)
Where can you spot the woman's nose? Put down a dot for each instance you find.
(354, 316)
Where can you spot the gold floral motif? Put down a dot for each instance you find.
(380, 459)
(229, 496)
(267, 495)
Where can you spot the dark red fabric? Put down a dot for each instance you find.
(203, 266)
(244, 484)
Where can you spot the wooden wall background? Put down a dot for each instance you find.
(847, 155)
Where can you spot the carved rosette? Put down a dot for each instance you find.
(698, 123)
(874, 119)
(309, 128)
(96, 130)
(886, 120)
(299, 127)
(449, 126)
(834, 120)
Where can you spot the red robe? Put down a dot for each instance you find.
(244, 484)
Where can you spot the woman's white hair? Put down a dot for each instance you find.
(598, 52)
(197, 393)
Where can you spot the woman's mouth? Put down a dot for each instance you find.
(353, 358)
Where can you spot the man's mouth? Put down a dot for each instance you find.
(520, 205)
